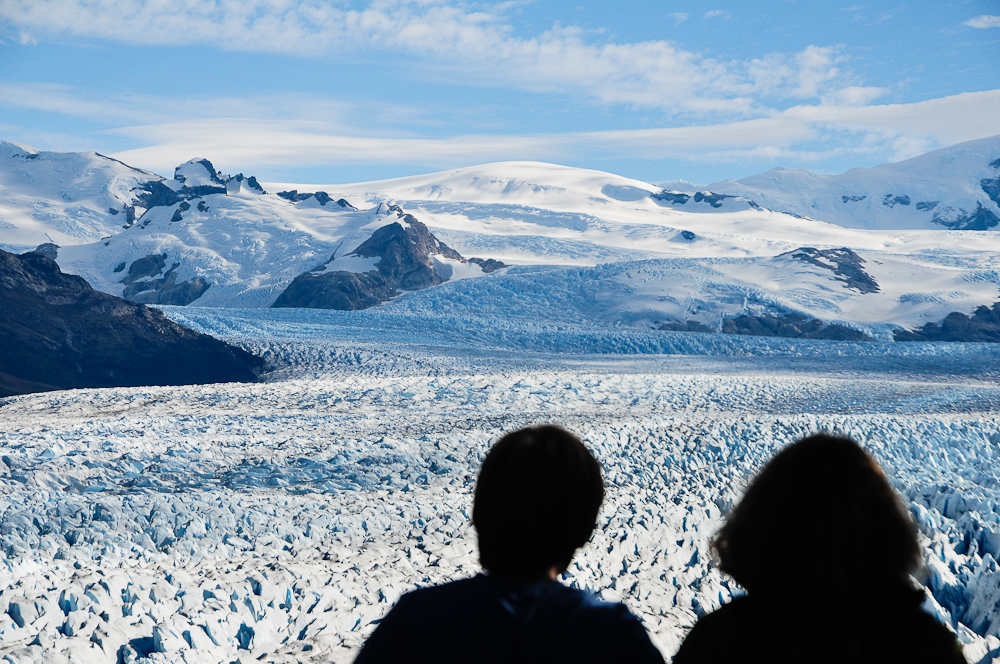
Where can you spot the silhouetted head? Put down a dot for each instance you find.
(536, 502)
(820, 516)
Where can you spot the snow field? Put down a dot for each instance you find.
(277, 521)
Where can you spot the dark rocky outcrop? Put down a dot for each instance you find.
(48, 249)
(710, 197)
(405, 263)
(685, 326)
(982, 325)
(844, 263)
(166, 289)
(488, 264)
(321, 197)
(927, 206)
(981, 219)
(992, 188)
(792, 326)
(60, 333)
(672, 197)
(237, 181)
(853, 199)
(201, 179)
(346, 291)
(892, 201)
(788, 325)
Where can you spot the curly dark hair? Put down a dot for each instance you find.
(820, 512)
(536, 503)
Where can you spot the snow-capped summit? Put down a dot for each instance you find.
(957, 187)
(65, 198)
(217, 240)
(198, 173)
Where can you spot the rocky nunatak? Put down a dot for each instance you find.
(982, 326)
(405, 251)
(59, 333)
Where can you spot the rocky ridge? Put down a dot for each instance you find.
(407, 258)
(60, 333)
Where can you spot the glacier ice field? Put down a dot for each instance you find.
(279, 521)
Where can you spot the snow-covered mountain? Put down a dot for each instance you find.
(586, 244)
(956, 187)
(65, 198)
(224, 241)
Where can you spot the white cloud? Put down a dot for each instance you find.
(802, 133)
(715, 13)
(984, 21)
(478, 44)
(679, 17)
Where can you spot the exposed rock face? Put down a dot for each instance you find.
(48, 249)
(844, 263)
(321, 197)
(193, 179)
(710, 197)
(979, 219)
(982, 325)
(141, 287)
(405, 263)
(793, 326)
(488, 264)
(789, 325)
(685, 326)
(60, 333)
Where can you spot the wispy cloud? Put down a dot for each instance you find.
(984, 21)
(481, 45)
(802, 133)
(715, 13)
(679, 17)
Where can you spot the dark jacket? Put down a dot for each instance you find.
(758, 630)
(493, 619)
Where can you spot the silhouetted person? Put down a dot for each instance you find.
(536, 503)
(824, 549)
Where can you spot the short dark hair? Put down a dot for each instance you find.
(536, 503)
(820, 510)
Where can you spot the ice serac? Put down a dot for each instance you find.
(61, 333)
(404, 253)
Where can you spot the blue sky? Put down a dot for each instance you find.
(323, 91)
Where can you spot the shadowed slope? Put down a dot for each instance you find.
(60, 333)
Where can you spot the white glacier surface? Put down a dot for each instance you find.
(277, 521)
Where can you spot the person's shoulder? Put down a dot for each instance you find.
(929, 640)
(446, 593)
(717, 636)
(603, 631)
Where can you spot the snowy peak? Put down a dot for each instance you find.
(401, 254)
(65, 198)
(198, 173)
(527, 183)
(956, 188)
(194, 179)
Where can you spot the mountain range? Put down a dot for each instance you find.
(872, 253)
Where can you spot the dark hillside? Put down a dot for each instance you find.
(56, 332)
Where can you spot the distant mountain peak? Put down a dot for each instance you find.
(956, 188)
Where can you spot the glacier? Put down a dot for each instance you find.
(278, 521)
